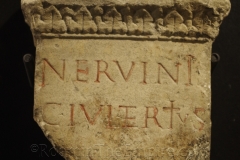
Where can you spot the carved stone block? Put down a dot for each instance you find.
(125, 79)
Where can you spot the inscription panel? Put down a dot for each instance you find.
(146, 98)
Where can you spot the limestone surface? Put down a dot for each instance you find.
(129, 79)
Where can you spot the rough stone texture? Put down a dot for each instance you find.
(125, 79)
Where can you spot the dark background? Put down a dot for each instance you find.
(19, 132)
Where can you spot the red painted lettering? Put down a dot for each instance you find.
(144, 73)
(46, 62)
(103, 71)
(127, 118)
(155, 110)
(174, 79)
(190, 70)
(126, 78)
(93, 120)
(171, 112)
(82, 71)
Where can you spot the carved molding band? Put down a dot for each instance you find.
(189, 20)
(125, 37)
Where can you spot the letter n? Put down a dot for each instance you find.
(174, 79)
(47, 63)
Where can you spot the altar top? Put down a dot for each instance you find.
(209, 3)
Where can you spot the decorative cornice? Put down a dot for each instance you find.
(196, 20)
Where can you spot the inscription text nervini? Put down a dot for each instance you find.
(103, 71)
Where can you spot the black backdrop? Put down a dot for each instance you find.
(20, 136)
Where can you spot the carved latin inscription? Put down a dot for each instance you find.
(81, 71)
(125, 79)
(150, 116)
(154, 117)
(177, 72)
(91, 120)
(127, 117)
(47, 63)
(102, 71)
(171, 109)
(124, 75)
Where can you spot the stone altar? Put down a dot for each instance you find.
(125, 79)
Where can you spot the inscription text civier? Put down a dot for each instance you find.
(128, 121)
